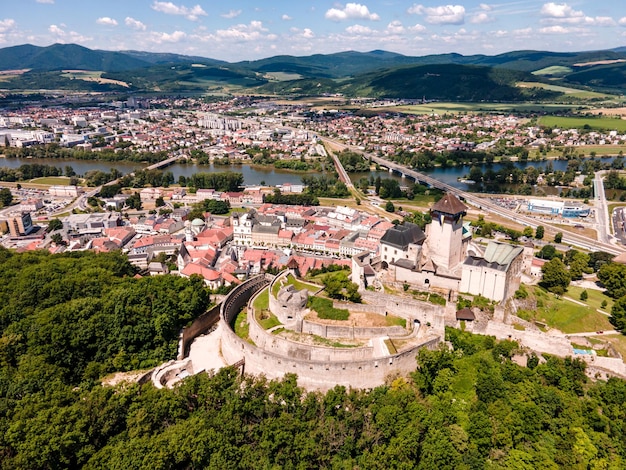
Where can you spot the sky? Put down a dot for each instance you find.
(252, 29)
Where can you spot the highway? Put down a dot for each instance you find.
(602, 210)
(474, 199)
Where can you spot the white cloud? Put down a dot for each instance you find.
(135, 24)
(231, 14)
(66, 37)
(244, 32)
(418, 28)
(176, 36)
(351, 11)
(481, 18)
(622, 21)
(444, 14)
(559, 10)
(105, 20)
(169, 8)
(485, 7)
(604, 21)
(395, 27)
(286, 18)
(6, 25)
(49, 2)
(308, 33)
(557, 29)
(359, 29)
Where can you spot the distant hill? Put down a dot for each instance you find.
(374, 73)
(160, 58)
(433, 81)
(64, 57)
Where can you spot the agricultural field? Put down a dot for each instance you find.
(91, 76)
(553, 70)
(586, 122)
(443, 107)
(572, 92)
(282, 76)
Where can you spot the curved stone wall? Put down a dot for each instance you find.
(318, 368)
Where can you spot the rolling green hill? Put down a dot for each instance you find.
(440, 82)
(65, 56)
(376, 73)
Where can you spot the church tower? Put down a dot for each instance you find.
(445, 233)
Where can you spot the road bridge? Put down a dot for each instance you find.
(474, 199)
(164, 163)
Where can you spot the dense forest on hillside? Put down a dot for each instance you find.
(67, 320)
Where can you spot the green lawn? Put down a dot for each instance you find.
(598, 123)
(262, 301)
(392, 320)
(299, 285)
(242, 327)
(325, 310)
(594, 297)
(564, 315)
(51, 180)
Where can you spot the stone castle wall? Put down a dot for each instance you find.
(199, 326)
(318, 368)
(352, 332)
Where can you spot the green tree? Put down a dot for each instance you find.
(555, 278)
(578, 265)
(558, 237)
(389, 207)
(613, 278)
(618, 314)
(547, 252)
(55, 224)
(57, 238)
(539, 232)
(528, 231)
(6, 197)
(159, 202)
(584, 295)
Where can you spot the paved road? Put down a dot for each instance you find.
(602, 211)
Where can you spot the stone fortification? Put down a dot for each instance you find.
(410, 309)
(351, 332)
(317, 367)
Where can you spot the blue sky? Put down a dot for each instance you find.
(252, 29)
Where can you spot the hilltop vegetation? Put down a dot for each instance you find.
(67, 320)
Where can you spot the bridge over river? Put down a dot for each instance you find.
(475, 199)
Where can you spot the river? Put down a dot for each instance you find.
(255, 175)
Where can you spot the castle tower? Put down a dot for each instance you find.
(445, 233)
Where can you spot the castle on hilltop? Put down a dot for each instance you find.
(444, 258)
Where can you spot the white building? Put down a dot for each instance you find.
(496, 275)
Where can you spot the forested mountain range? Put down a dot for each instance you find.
(375, 73)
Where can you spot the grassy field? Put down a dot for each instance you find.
(572, 92)
(596, 123)
(326, 311)
(242, 327)
(282, 76)
(567, 316)
(51, 180)
(299, 285)
(90, 76)
(553, 70)
(594, 298)
(262, 301)
(586, 231)
(443, 107)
